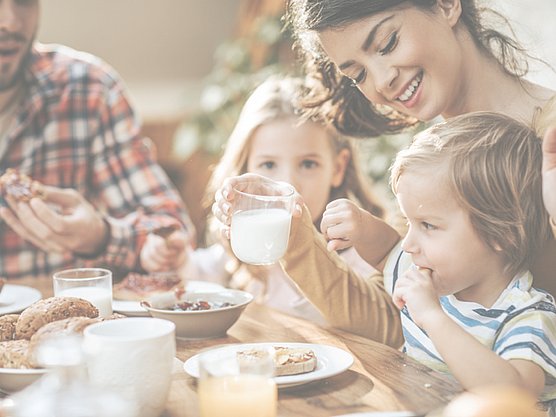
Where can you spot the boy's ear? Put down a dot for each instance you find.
(341, 162)
(451, 10)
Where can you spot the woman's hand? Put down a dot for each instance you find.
(251, 183)
(549, 171)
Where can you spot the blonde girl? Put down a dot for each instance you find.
(271, 139)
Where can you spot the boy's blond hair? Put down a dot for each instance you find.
(493, 168)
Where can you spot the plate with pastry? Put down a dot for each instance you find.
(15, 298)
(295, 363)
(135, 288)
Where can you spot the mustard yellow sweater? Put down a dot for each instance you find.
(350, 302)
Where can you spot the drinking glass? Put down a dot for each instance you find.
(233, 388)
(261, 219)
(91, 284)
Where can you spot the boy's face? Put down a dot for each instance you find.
(18, 26)
(300, 155)
(442, 239)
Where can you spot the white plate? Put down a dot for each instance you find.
(133, 308)
(383, 414)
(330, 361)
(12, 380)
(15, 298)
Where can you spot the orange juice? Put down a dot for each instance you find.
(237, 396)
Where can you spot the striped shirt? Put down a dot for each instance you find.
(521, 324)
(75, 128)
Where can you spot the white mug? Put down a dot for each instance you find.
(133, 357)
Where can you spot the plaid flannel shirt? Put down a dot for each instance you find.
(75, 128)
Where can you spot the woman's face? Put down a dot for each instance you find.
(300, 155)
(406, 58)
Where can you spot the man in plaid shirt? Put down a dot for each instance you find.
(65, 120)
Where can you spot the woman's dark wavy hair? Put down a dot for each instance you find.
(334, 96)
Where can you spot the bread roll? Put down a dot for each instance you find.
(7, 327)
(49, 310)
(13, 354)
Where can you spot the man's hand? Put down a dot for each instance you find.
(60, 221)
(165, 254)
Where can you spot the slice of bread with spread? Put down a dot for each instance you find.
(287, 360)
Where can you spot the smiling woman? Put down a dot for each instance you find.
(383, 65)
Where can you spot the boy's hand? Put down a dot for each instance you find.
(415, 290)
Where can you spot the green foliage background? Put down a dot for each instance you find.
(237, 72)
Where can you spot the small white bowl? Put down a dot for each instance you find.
(205, 324)
(12, 380)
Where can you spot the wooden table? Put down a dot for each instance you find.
(381, 378)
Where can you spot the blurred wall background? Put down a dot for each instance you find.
(162, 48)
(534, 22)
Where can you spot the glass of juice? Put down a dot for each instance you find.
(91, 284)
(261, 219)
(237, 383)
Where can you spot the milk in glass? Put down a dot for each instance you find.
(99, 297)
(260, 236)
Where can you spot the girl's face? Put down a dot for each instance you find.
(441, 238)
(405, 58)
(301, 155)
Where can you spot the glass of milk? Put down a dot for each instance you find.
(91, 284)
(261, 219)
(237, 387)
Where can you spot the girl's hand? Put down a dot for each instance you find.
(415, 290)
(251, 183)
(549, 171)
(344, 224)
(341, 224)
(165, 254)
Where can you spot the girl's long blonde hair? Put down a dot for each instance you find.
(277, 99)
(494, 171)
